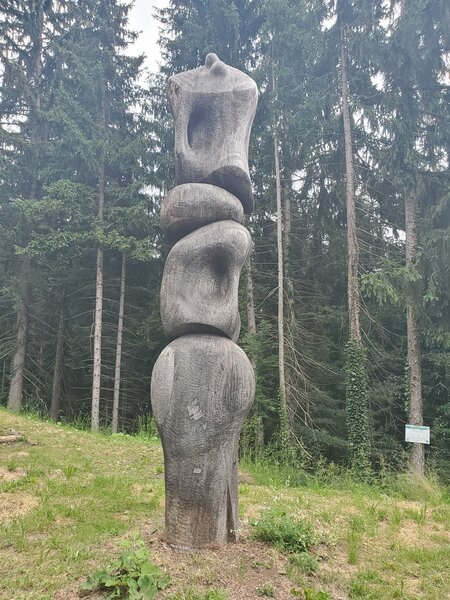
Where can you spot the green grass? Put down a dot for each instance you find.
(86, 490)
(68, 499)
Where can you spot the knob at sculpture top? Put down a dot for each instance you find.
(213, 109)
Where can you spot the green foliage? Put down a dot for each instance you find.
(357, 408)
(277, 528)
(313, 595)
(302, 563)
(132, 575)
(147, 427)
(251, 440)
(391, 282)
(52, 138)
(266, 591)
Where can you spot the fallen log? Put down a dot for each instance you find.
(11, 438)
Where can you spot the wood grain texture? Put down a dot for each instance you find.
(213, 108)
(192, 205)
(199, 290)
(202, 390)
(203, 385)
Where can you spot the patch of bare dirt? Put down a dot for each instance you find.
(15, 506)
(73, 594)
(240, 569)
(12, 475)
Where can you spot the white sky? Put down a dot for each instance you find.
(142, 21)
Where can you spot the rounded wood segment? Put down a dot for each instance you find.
(202, 390)
(199, 290)
(192, 205)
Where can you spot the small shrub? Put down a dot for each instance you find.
(280, 530)
(132, 576)
(304, 563)
(267, 590)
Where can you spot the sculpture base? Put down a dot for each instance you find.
(202, 390)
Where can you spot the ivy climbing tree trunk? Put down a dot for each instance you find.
(414, 362)
(115, 412)
(356, 374)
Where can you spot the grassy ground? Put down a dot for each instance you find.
(68, 498)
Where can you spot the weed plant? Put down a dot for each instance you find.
(133, 575)
(279, 529)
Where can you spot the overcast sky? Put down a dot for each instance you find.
(142, 20)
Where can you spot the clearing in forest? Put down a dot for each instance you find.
(69, 499)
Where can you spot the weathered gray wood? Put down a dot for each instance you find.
(202, 383)
(213, 108)
(202, 389)
(192, 205)
(199, 290)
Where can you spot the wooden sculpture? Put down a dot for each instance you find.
(203, 383)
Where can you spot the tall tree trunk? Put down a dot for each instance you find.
(355, 360)
(417, 459)
(58, 371)
(257, 430)
(286, 215)
(414, 362)
(281, 361)
(280, 279)
(352, 239)
(18, 361)
(115, 412)
(98, 317)
(284, 420)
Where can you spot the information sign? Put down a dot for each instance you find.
(418, 434)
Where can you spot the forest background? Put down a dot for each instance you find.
(345, 303)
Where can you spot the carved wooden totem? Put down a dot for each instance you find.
(202, 383)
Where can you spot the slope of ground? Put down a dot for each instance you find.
(68, 497)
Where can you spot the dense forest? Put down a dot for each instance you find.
(345, 302)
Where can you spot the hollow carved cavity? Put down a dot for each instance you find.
(213, 108)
